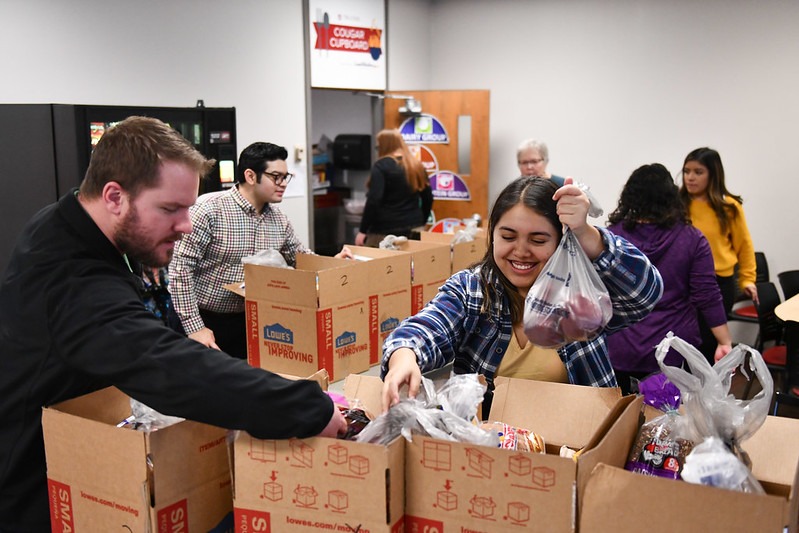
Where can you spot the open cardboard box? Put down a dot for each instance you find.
(311, 317)
(463, 254)
(389, 292)
(99, 478)
(321, 483)
(462, 487)
(624, 501)
(430, 268)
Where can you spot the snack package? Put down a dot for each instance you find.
(713, 418)
(513, 438)
(657, 450)
(568, 302)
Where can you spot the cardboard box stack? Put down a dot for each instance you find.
(309, 318)
(463, 254)
(461, 487)
(106, 478)
(321, 483)
(389, 293)
(626, 501)
(430, 268)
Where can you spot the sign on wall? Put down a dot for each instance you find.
(347, 44)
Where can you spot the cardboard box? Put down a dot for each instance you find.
(430, 268)
(321, 483)
(463, 254)
(389, 292)
(99, 479)
(313, 317)
(635, 502)
(462, 487)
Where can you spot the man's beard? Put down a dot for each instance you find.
(135, 245)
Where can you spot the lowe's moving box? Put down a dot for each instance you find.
(463, 254)
(389, 286)
(430, 268)
(629, 502)
(312, 317)
(320, 483)
(462, 487)
(102, 477)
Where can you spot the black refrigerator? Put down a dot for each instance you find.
(45, 151)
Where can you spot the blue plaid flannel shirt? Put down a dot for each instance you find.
(451, 327)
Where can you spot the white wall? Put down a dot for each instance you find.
(242, 53)
(616, 84)
(609, 85)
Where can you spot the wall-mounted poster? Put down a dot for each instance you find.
(347, 44)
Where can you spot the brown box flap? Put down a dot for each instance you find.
(367, 389)
(617, 500)
(560, 413)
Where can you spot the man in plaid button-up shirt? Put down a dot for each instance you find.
(227, 227)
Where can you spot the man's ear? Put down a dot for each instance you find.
(250, 176)
(114, 198)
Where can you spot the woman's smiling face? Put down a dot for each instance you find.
(523, 242)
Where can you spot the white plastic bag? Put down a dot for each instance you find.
(568, 302)
(266, 257)
(711, 412)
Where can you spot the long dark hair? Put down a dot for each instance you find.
(535, 193)
(650, 196)
(716, 189)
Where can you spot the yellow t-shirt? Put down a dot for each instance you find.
(734, 246)
(532, 362)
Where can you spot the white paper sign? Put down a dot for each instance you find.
(348, 44)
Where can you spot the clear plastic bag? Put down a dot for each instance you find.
(568, 302)
(448, 412)
(391, 242)
(145, 418)
(266, 257)
(712, 412)
(466, 234)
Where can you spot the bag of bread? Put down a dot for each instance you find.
(658, 450)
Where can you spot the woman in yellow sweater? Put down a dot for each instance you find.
(718, 214)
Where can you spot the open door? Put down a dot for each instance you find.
(450, 135)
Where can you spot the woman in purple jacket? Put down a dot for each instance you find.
(651, 216)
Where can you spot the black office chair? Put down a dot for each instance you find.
(782, 395)
(789, 283)
(770, 331)
(748, 313)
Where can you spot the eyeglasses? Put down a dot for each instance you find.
(279, 179)
(528, 162)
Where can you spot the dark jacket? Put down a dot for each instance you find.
(392, 206)
(72, 321)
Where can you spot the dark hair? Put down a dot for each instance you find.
(650, 196)
(131, 152)
(716, 189)
(256, 157)
(535, 193)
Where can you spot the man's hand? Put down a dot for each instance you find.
(205, 337)
(360, 239)
(336, 426)
(345, 253)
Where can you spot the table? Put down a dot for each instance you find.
(789, 309)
